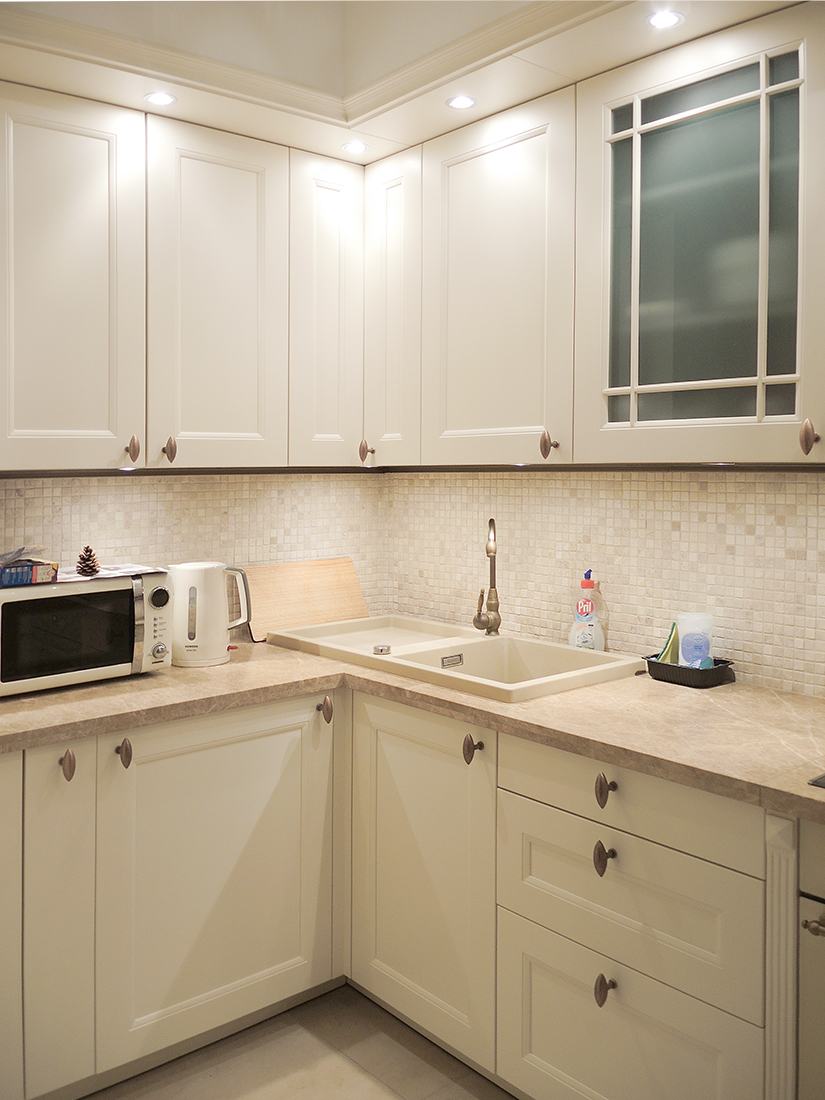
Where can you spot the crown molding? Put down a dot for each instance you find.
(522, 28)
(502, 38)
(59, 36)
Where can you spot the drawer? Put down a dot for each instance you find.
(692, 924)
(647, 1042)
(706, 825)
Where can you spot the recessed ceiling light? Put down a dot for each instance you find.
(664, 20)
(160, 99)
(461, 102)
(355, 147)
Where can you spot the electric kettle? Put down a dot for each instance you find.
(200, 615)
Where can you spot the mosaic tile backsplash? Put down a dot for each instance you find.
(747, 546)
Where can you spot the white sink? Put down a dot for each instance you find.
(506, 668)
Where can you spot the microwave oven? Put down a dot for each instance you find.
(79, 629)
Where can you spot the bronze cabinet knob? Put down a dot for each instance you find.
(326, 709)
(124, 751)
(470, 747)
(600, 857)
(69, 764)
(602, 988)
(603, 789)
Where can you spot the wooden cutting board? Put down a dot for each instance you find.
(301, 593)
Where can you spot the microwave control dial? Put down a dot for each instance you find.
(159, 650)
(159, 597)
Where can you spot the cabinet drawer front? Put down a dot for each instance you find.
(692, 924)
(647, 1041)
(702, 824)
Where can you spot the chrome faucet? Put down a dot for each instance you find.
(489, 620)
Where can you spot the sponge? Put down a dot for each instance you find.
(670, 653)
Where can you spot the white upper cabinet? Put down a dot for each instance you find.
(392, 311)
(72, 281)
(700, 271)
(326, 368)
(218, 271)
(498, 288)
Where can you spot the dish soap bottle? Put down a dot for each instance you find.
(586, 631)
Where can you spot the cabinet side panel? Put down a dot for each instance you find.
(59, 924)
(11, 907)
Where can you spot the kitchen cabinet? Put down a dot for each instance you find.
(699, 269)
(632, 923)
(72, 282)
(214, 850)
(497, 328)
(218, 298)
(392, 310)
(423, 877)
(11, 914)
(59, 922)
(326, 368)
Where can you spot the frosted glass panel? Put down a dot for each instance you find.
(701, 94)
(698, 404)
(621, 118)
(780, 400)
(783, 256)
(784, 67)
(620, 263)
(699, 257)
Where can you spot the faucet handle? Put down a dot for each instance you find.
(480, 601)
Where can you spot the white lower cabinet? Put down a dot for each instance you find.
(647, 1042)
(630, 967)
(214, 873)
(423, 897)
(11, 910)
(59, 914)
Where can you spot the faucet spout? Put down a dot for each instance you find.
(489, 620)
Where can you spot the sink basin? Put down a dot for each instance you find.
(510, 669)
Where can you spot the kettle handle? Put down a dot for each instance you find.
(243, 595)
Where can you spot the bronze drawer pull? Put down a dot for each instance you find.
(600, 857)
(602, 988)
(603, 789)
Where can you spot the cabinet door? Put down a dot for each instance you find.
(214, 873)
(59, 923)
(326, 356)
(11, 910)
(646, 1042)
(71, 282)
(700, 213)
(423, 937)
(498, 287)
(218, 269)
(392, 310)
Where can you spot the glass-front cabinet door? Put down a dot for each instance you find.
(700, 277)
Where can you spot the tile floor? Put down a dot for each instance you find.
(340, 1046)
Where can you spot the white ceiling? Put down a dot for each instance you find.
(313, 73)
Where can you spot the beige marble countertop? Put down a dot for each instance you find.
(751, 744)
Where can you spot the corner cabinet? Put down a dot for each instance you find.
(700, 271)
(218, 298)
(326, 327)
(214, 873)
(72, 285)
(11, 912)
(497, 335)
(423, 875)
(392, 311)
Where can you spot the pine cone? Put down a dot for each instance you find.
(87, 563)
